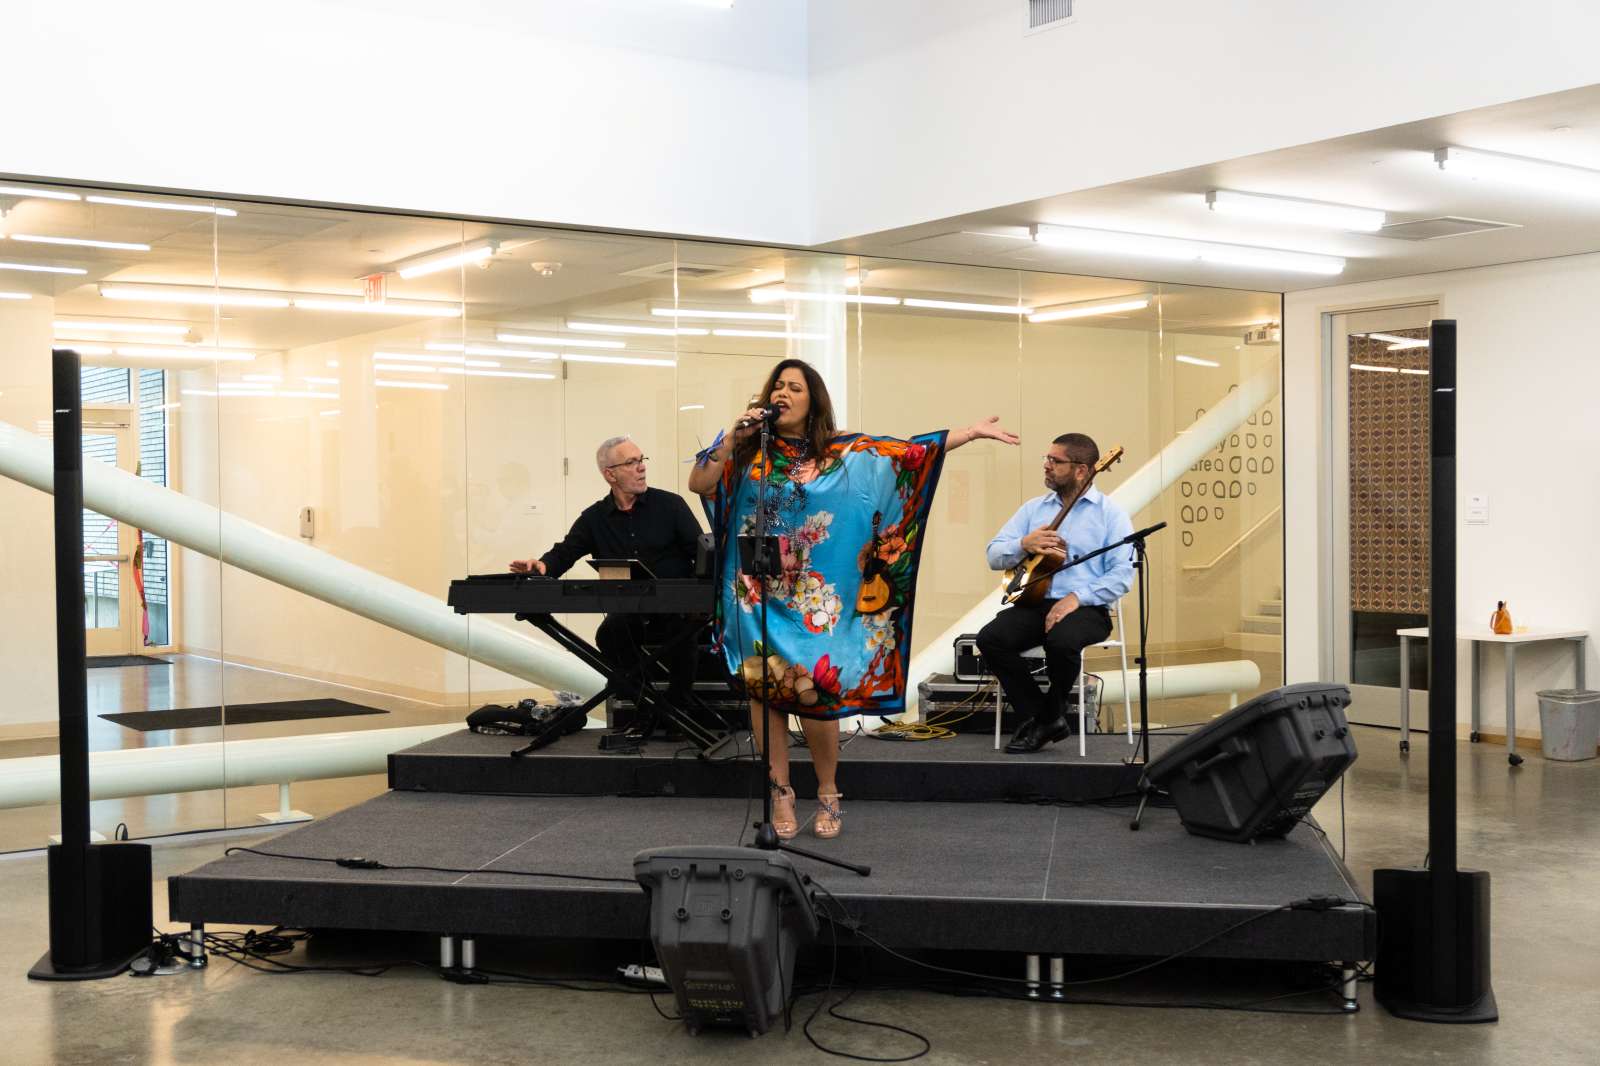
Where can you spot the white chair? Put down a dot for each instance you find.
(1114, 641)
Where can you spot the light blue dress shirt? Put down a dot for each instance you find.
(1094, 522)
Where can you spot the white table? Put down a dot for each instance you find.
(1480, 636)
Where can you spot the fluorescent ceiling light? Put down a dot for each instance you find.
(768, 334)
(728, 314)
(1300, 212)
(1152, 246)
(692, 407)
(435, 263)
(42, 194)
(1090, 307)
(560, 342)
(1411, 370)
(329, 414)
(527, 374)
(1398, 343)
(224, 355)
(1375, 369)
(88, 349)
(434, 386)
(650, 331)
(270, 378)
(157, 205)
(1195, 360)
(627, 360)
(406, 368)
(304, 394)
(163, 294)
(958, 305)
(309, 380)
(1517, 170)
(387, 307)
(775, 293)
(81, 242)
(38, 268)
(77, 325)
(16, 295)
(478, 349)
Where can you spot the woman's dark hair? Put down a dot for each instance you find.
(819, 420)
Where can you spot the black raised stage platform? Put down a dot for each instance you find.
(954, 865)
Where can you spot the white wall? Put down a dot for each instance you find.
(627, 114)
(1529, 375)
(924, 109)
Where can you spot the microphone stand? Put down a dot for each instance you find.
(761, 558)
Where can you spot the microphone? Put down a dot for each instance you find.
(769, 414)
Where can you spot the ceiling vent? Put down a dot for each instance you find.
(1046, 14)
(1269, 333)
(1432, 229)
(689, 271)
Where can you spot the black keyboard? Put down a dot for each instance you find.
(535, 594)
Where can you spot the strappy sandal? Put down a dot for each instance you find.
(829, 818)
(785, 827)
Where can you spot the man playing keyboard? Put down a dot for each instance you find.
(632, 521)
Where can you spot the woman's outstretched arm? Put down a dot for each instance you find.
(983, 429)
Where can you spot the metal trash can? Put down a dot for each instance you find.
(1569, 723)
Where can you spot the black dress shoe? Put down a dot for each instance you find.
(1027, 741)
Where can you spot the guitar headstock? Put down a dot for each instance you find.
(1109, 459)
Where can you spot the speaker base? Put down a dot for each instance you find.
(46, 970)
(1409, 982)
(1484, 1009)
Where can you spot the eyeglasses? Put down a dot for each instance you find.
(630, 463)
(1053, 461)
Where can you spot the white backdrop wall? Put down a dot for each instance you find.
(1528, 378)
(924, 109)
(627, 114)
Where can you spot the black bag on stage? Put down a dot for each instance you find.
(526, 719)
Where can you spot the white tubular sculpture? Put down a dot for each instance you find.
(1192, 679)
(36, 779)
(205, 529)
(1133, 496)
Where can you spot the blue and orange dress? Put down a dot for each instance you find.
(851, 525)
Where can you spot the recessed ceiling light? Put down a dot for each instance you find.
(1299, 212)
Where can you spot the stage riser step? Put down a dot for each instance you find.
(963, 769)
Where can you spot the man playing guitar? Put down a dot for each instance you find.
(1074, 612)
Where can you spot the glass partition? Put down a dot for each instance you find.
(365, 406)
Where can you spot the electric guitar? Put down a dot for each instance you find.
(1025, 584)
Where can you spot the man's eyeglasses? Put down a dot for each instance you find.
(1053, 461)
(630, 463)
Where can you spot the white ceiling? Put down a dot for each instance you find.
(1391, 169)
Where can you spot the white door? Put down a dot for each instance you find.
(1376, 364)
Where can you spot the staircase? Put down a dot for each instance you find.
(1261, 631)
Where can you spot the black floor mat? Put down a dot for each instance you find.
(94, 661)
(238, 714)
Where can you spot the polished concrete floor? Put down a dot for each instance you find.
(1534, 828)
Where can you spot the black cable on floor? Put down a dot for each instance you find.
(833, 1009)
(357, 863)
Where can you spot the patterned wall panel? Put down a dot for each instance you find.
(1389, 476)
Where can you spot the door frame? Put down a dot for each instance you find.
(122, 422)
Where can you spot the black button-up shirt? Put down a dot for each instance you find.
(659, 530)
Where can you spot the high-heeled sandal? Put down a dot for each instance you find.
(829, 818)
(786, 827)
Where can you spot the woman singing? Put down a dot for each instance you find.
(850, 512)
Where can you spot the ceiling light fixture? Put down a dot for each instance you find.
(309, 380)
(222, 355)
(387, 307)
(16, 295)
(649, 331)
(39, 268)
(1375, 369)
(89, 349)
(1152, 246)
(527, 374)
(560, 342)
(722, 313)
(157, 205)
(434, 263)
(430, 385)
(625, 360)
(1517, 170)
(81, 242)
(692, 407)
(405, 368)
(769, 334)
(41, 194)
(1088, 308)
(1195, 360)
(959, 305)
(76, 325)
(776, 293)
(1299, 212)
(457, 360)
(165, 294)
(474, 349)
